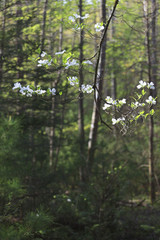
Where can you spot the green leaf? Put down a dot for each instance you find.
(152, 112)
(60, 93)
(143, 92)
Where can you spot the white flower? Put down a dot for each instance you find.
(40, 91)
(68, 200)
(72, 19)
(73, 81)
(85, 16)
(53, 91)
(98, 27)
(137, 104)
(87, 62)
(123, 101)
(43, 54)
(44, 62)
(110, 100)
(60, 53)
(86, 89)
(115, 121)
(16, 85)
(106, 106)
(141, 84)
(71, 63)
(151, 100)
(151, 85)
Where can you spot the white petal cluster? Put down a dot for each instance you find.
(87, 88)
(43, 54)
(71, 63)
(110, 100)
(122, 102)
(71, 18)
(73, 81)
(98, 27)
(28, 92)
(76, 16)
(60, 53)
(44, 62)
(52, 91)
(151, 100)
(106, 106)
(115, 121)
(135, 105)
(88, 62)
(142, 84)
(17, 85)
(151, 85)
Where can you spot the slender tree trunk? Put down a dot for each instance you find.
(81, 107)
(44, 25)
(52, 129)
(98, 84)
(151, 53)
(19, 40)
(2, 42)
(98, 93)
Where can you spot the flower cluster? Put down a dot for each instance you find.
(143, 84)
(115, 121)
(98, 27)
(28, 91)
(73, 81)
(44, 62)
(87, 88)
(76, 16)
(71, 63)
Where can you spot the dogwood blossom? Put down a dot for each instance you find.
(73, 81)
(71, 18)
(110, 100)
(115, 121)
(43, 54)
(135, 105)
(44, 62)
(87, 62)
(123, 101)
(142, 84)
(151, 85)
(16, 85)
(78, 16)
(86, 88)
(71, 63)
(40, 91)
(151, 100)
(53, 91)
(98, 27)
(60, 53)
(106, 105)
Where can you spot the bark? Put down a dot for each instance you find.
(98, 93)
(81, 107)
(2, 41)
(151, 54)
(98, 85)
(52, 129)
(44, 25)
(19, 41)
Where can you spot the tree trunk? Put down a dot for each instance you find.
(44, 25)
(98, 93)
(151, 53)
(81, 107)
(19, 40)
(2, 42)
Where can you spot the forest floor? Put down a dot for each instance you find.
(139, 222)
